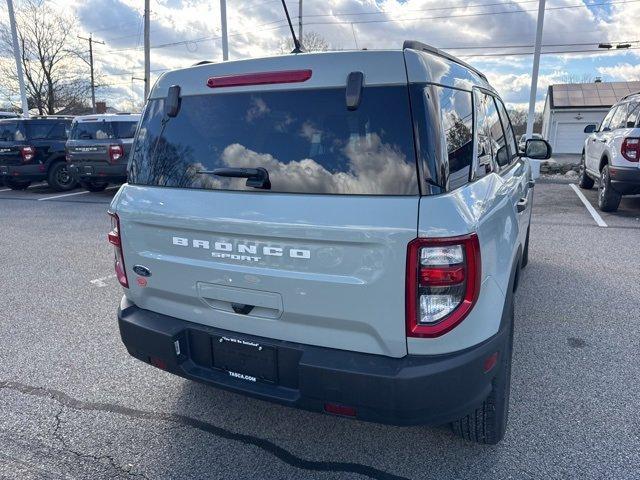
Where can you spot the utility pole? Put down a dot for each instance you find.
(147, 51)
(223, 21)
(536, 68)
(16, 54)
(93, 83)
(300, 20)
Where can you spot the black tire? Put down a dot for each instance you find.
(488, 423)
(94, 186)
(608, 198)
(60, 178)
(525, 253)
(16, 185)
(584, 181)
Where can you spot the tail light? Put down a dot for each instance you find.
(115, 239)
(260, 78)
(443, 283)
(28, 154)
(631, 149)
(115, 153)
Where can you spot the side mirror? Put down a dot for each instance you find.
(172, 102)
(590, 128)
(537, 149)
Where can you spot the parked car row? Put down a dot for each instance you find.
(88, 150)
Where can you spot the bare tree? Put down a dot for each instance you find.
(312, 42)
(576, 78)
(53, 62)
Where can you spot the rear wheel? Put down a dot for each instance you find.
(584, 180)
(608, 198)
(487, 424)
(60, 178)
(94, 186)
(16, 185)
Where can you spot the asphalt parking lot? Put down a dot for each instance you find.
(73, 404)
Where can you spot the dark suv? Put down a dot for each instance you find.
(32, 150)
(98, 148)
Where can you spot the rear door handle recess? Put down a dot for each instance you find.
(522, 205)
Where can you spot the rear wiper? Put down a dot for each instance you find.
(256, 177)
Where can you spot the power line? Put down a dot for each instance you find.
(477, 14)
(559, 52)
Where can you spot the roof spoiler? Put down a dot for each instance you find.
(415, 45)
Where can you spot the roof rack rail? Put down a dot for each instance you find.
(415, 45)
(52, 116)
(630, 95)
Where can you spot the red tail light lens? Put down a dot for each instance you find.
(116, 241)
(262, 78)
(28, 154)
(115, 153)
(631, 149)
(443, 283)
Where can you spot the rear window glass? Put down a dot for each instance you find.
(12, 132)
(99, 130)
(307, 141)
(125, 129)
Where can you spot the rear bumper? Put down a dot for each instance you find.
(625, 180)
(26, 173)
(400, 391)
(98, 171)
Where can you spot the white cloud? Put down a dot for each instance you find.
(621, 72)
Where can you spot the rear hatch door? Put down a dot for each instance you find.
(319, 257)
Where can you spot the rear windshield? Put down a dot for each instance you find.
(102, 130)
(12, 131)
(307, 141)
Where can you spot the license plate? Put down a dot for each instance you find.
(245, 360)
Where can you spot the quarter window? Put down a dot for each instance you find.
(512, 147)
(456, 120)
(619, 119)
(492, 147)
(633, 114)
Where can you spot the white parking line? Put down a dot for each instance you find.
(596, 216)
(63, 195)
(102, 281)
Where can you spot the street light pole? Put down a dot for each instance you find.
(536, 68)
(300, 20)
(93, 83)
(223, 21)
(147, 51)
(16, 54)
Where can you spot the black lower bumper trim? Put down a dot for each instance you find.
(625, 180)
(401, 391)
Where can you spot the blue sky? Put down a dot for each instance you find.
(186, 31)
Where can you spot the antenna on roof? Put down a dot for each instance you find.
(297, 46)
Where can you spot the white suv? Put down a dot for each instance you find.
(611, 154)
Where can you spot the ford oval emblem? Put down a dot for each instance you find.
(142, 270)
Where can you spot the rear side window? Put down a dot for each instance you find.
(456, 113)
(492, 148)
(125, 129)
(633, 114)
(307, 141)
(510, 137)
(12, 132)
(99, 130)
(619, 119)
